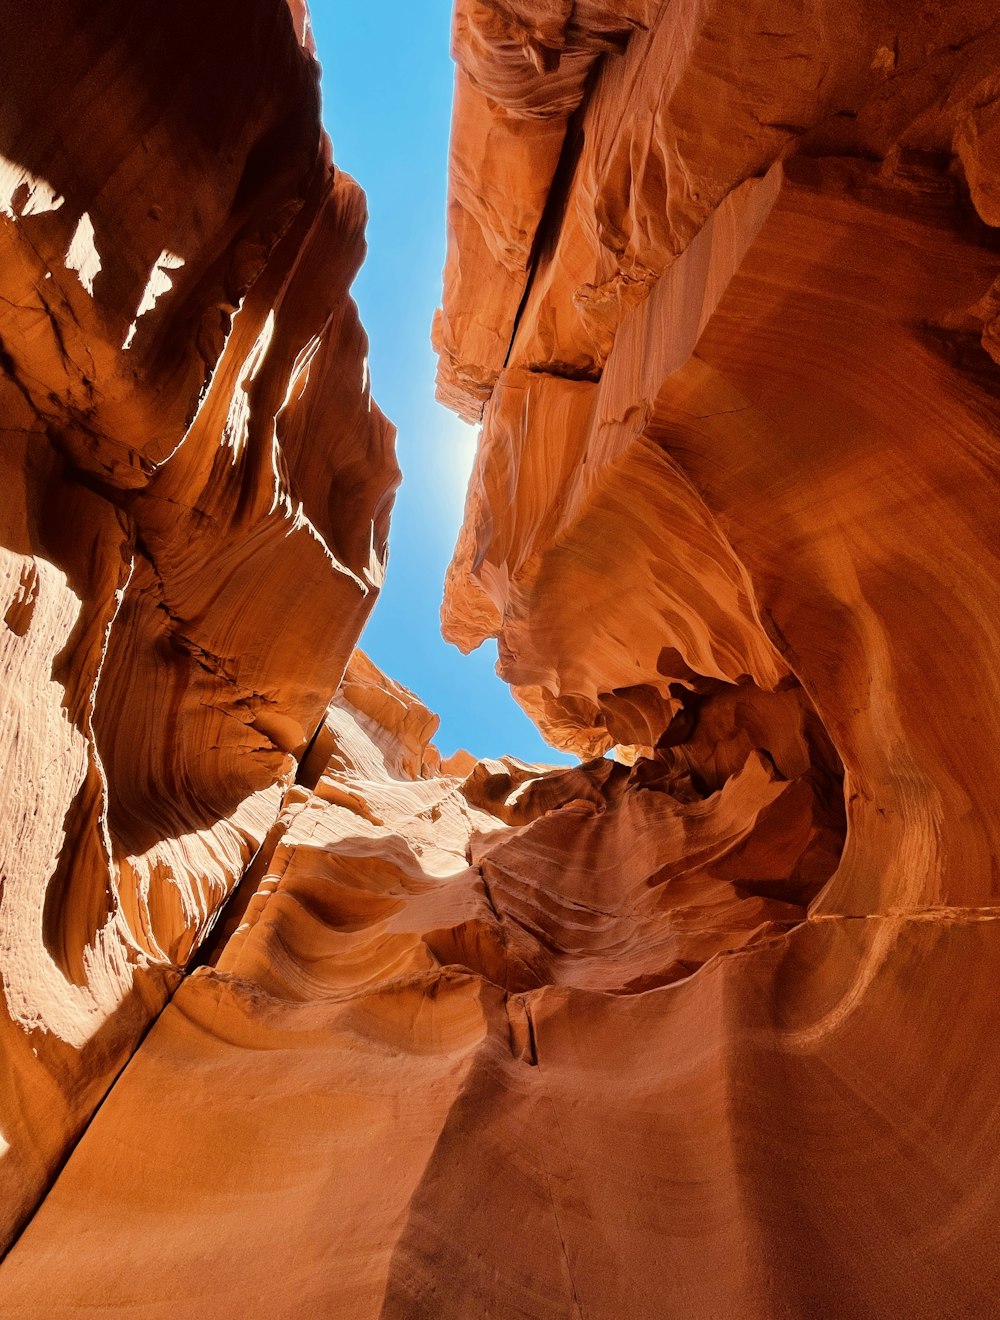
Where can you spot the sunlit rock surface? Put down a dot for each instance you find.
(194, 505)
(380, 1018)
(705, 1028)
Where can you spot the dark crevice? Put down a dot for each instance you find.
(550, 220)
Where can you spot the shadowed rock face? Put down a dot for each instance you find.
(744, 431)
(704, 1030)
(193, 511)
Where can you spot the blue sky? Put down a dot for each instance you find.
(387, 87)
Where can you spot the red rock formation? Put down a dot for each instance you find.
(195, 500)
(740, 450)
(744, 433)
(703, 1031)
(532, 1043)
(379, 1006)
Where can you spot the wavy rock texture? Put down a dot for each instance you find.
(383, 1011)
(740, 459)
(195, 500)
(744, 436)
(518, 1042)
(705, 1030)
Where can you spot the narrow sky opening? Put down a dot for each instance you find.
(387, 90)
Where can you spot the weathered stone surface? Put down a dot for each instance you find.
(379, 1004)
(705, 1030)
(770, 457)
(740, 460)
(193, 514)
(531, 1043)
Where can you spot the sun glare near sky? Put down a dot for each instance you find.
(387, 88)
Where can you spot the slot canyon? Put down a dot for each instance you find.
(301, 1017)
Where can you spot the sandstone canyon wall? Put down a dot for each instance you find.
(707, 1029)
(194, 509)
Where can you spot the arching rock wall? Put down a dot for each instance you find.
(739, 387)
(743, 435)
(193, 509)
(493, 1040)
(705, 1030)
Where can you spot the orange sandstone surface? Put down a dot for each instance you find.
(193, 511)
(703, 1028)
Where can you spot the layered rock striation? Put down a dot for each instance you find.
(742, 437)
(739, 457)
(196, 488)
(495, 1039)
(384, 1024)
(703, 1028)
